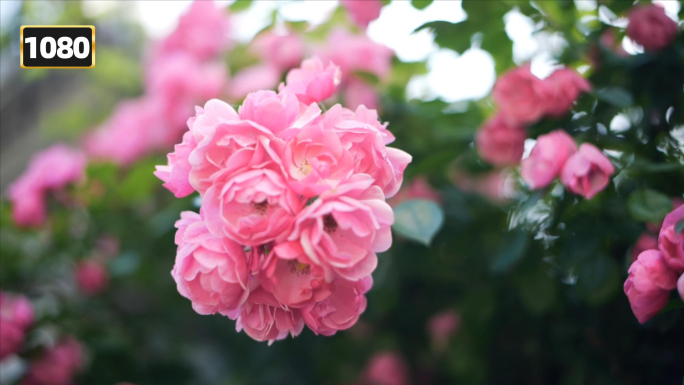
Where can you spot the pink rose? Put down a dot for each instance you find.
(312, 82)
(16, 316)
(276, 112)
(281, 51)
(252, 207)
(362, 12)
(49, 170)
(522, 97)
(386, 368)
(359, 93)
(547, 159)
(365, 138)
(680, 286)
(136, 128)
(418, 188)
(316, 161)
(564, 87)
(651, 27)
(649, 284)
(202, 31)
(587, 172)
(176, 174)
(292, 283)
(356, 53)
(264, 319)
(342, 230)
(57, 366)
(92, 277)
(211, 272)
(646, 241)
(341, 309)
(500, 143)
(180, 81)
(442, 326)
(671, 242)
(251, 79)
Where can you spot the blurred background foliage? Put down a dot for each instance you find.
(536, 277)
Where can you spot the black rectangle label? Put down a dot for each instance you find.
(57, 46)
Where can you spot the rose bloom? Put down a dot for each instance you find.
(386, 368)
(264, 319)
(356, 53)
(651, 27)
(275, 112)
(646, 241)
(92, 277)
(521, 97)
(57, 366)
(176, 173)
(313, 81)
(211, 272)
(564, 87)
(341, 231)
(359, 93)
(500, 143)
(281, 51)
(258, 77)
(16, 316)
(547, 159)
(49, 170)
(442, 326)
(649, 284)
(362, 12)
(587, 172)
(202, 31)
(671, 242)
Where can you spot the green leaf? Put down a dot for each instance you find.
(679, 227)
(420, 4)
(515, 245)
(619, 97)
(418, 220)
(449, 35)
(240, 5)
(367, 77)
(675, 303)
(648, 205)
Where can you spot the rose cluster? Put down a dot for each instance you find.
(658, 271)
(293, 207)
(523, 99)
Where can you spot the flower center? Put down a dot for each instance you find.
(299, 268)
(305, 168)
(329, 224)
(261, 208)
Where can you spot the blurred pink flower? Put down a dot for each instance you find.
(312, 82)
(57, 366)
(671, 242)
(649, 284)
(49, 170)
(418, 188)
(251, 79)
(500, 143)
(564, 87)
(680, 286)
(547, 159)
(442, 326)
(359, 93)
(646, 241)
(92, 277)
(651, 27)
(356, 53)
(16, 316)
(280, 51)
(341, 231)
(202, 31)
(386, 368)
(362, 12)
(211, 272)
(521, 97)
(587, 172)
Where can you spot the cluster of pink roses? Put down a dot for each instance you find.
(58, 365)
(183, 70)
(293, 207)
(523, 99)
(16, 316)
(657, 272)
